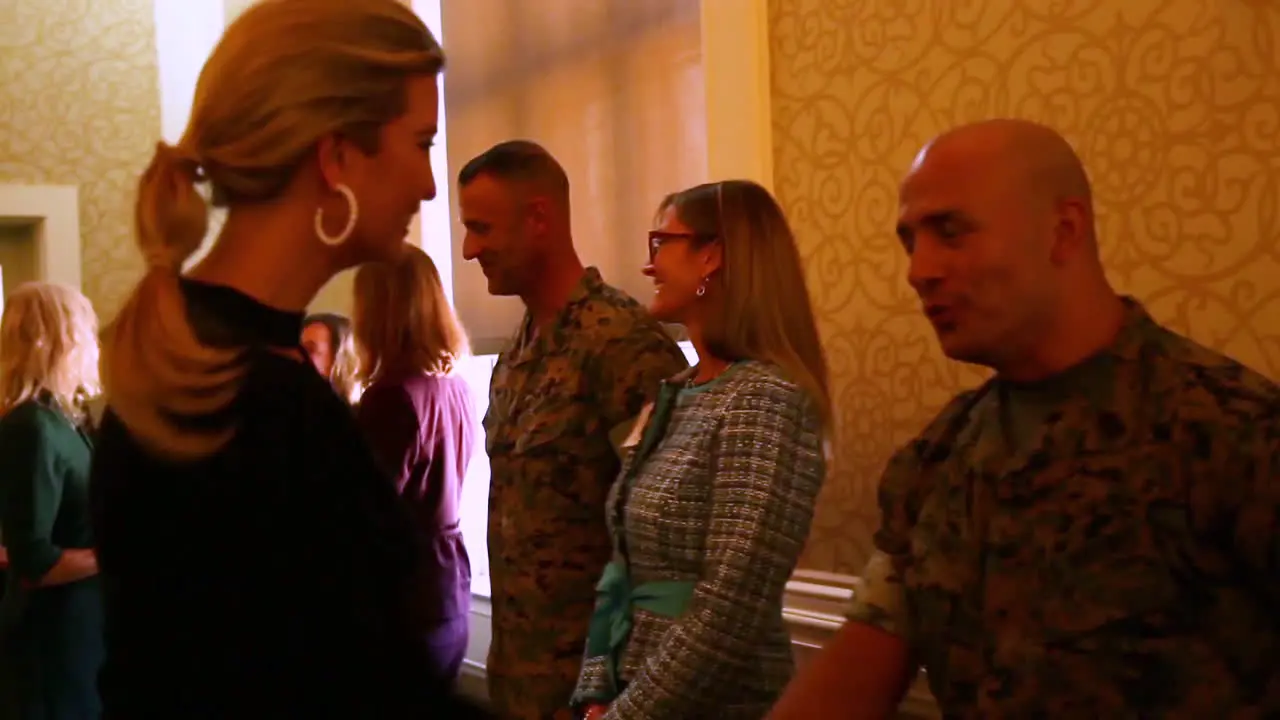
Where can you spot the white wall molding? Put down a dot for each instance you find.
(54, 212)
(473, 683)
(813, 608)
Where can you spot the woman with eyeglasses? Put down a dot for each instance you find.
(717, 490)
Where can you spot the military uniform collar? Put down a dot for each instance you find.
(1096, 374)
(589, 285)
(1134, 331)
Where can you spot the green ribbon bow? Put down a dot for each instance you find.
(616, 601)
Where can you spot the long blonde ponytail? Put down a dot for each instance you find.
(170, 214)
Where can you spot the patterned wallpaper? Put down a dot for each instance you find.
(78, 106)
(1174, 105)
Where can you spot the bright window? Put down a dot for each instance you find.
(475, 488)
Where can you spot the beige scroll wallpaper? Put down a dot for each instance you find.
(78, 89)
(1174, 105)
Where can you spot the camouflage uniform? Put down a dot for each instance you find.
(1099, 545)
(554, 400)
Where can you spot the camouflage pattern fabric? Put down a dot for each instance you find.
(1100, 545)
(554, 400)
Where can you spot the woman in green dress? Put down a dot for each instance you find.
(51, 613)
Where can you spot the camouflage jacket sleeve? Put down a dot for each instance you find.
(765, 478)
(631, 366)
(878, 600)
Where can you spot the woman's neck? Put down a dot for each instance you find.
(270, 256)
(709, 365)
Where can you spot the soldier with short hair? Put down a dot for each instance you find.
(586, 359)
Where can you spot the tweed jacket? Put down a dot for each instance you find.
(723, 501)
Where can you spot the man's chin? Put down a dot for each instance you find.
(966, 351)
(954, 345)
(497, 288)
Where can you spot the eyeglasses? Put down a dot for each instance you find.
(658, 238)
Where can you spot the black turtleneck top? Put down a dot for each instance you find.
(276, 578)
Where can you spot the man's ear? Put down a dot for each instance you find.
(539, 217)
(1072, 230)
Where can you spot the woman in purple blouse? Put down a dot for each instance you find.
(420, 420)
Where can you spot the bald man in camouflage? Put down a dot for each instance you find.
(1091, 533)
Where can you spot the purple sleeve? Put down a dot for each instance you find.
(389, 418)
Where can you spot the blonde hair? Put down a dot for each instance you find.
(285, 74)
(402, 319)
(344, 371)
(345, 374)
(758, 304)
(48, 344)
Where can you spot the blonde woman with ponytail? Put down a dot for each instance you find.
(256, 560)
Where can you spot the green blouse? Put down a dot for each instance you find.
(50, 637)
